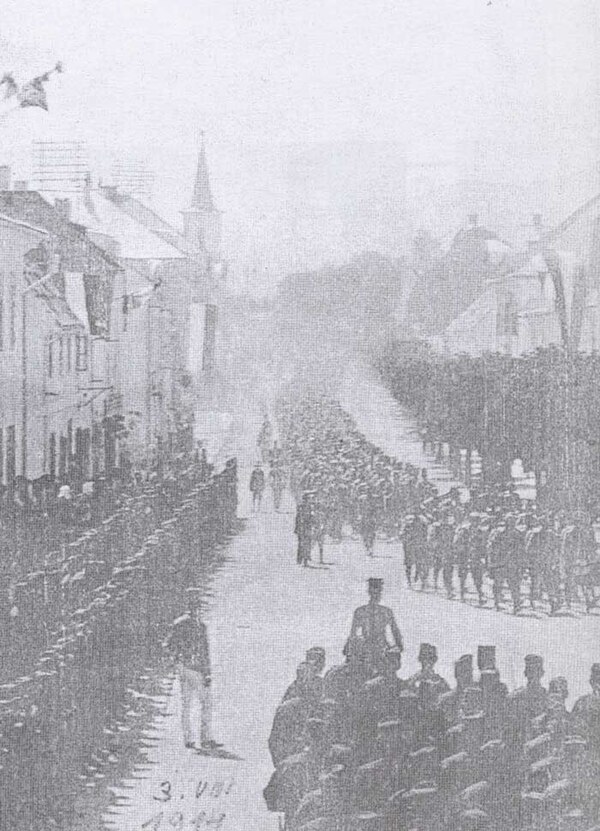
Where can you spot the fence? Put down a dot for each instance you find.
(98, 614)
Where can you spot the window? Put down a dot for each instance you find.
(81, 353)
(12, 301)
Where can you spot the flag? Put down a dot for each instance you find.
(11, 87)
(33, 93)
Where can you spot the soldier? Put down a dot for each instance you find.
(257, 486)
(303, 528)
(579, 553)
(527, 703)
(414, 543)
(377, 700)
(315, 656)
(451, 702)
(462, 546)
(367, 523)
(188, 644)
(505, 560)
(535, 544)
(551, 563)
(370, 625)
(277, 474)
(435, 548)
(437, 685)
(558, 715)
(585, 716)
(308, 685)
(265, 438)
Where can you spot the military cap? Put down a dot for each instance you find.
(465, 661)
(534, 661)
(375, 582)
(315, 652)
(428, 650)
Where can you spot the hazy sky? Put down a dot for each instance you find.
(512, 85)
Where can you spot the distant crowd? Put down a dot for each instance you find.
(491, 545)
(359, 747)
(35, 519)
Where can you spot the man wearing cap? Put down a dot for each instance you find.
(437, 685)
(304, 527)
(585, 715)
(528, 702)
(257, 486)
(370, 625)
(188, 644)
(451, 702)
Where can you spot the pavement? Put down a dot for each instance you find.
(265, 611)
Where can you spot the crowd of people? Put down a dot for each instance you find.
(36, 520)
(489, 543)
(358, 747)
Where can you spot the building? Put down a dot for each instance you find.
(16, 240)
(552, 299)
(194, 294)
(64, 317)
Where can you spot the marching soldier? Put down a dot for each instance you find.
(303, 528)
(414, 543)
(579, 553)
(257, 486)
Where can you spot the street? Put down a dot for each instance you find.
(264, 612)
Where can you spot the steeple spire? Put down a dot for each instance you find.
(202, 199)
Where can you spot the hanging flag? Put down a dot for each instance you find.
(33, 93)
(10, 85)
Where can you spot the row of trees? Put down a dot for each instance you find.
(540, 408)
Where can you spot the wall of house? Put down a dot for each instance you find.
(15, 241)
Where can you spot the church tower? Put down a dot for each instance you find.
(202, 220)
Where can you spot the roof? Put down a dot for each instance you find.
(32, 209)
(202, 199)
(21, 224)
(146, 216)
(100, 215)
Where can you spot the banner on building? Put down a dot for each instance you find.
(210, 335)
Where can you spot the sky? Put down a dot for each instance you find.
(501, 88)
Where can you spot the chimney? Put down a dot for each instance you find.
(4, 177)
(63, 208)
(21, 184)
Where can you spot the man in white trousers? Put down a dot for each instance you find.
(188, 643)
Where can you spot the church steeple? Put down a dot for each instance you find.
(202, 199)
(202, 220)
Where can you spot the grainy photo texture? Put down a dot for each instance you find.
(299, 415)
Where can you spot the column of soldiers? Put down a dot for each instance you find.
(544, 560)
(358, 748)
(493, 544)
